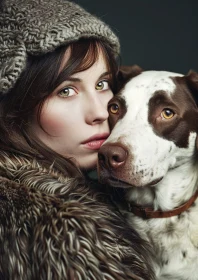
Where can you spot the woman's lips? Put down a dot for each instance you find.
(96, 141)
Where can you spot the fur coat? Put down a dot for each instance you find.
(55, 228)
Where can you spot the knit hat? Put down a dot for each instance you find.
(34, 27)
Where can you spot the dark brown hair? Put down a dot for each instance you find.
(41, 76)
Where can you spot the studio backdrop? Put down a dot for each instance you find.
(155, 34)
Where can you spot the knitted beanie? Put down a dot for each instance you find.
(34, 27)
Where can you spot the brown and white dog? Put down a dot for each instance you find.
(152, 154)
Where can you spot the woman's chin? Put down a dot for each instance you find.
(88, 163)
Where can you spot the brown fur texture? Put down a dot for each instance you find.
(52, 227)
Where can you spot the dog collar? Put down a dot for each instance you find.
(149, 213)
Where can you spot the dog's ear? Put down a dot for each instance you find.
(125, 73)
(192, 82)
(192, 78)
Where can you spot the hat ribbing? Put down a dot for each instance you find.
(33, 27)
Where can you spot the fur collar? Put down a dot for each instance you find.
(52, 227)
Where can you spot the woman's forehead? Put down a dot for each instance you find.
(92, 54)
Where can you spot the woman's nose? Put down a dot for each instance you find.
(97, 110)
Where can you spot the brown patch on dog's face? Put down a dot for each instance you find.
(117, 109)
(117, 106)
(182, 104)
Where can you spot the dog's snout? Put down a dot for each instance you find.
(112, 155)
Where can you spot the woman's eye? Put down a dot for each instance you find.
(66, 92)
(102, 85)
(167, 114)
(113, 108)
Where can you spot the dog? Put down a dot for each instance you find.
(151, 155)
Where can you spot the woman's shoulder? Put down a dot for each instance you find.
(56, 227)
(31, 192)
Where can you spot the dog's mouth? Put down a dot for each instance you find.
(155, 182)
(118, 183)
(115, 182)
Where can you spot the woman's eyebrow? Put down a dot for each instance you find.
(73, 79)
(104, 74)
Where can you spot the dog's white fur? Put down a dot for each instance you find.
(151, 157)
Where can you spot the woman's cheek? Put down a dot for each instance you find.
(53, 121)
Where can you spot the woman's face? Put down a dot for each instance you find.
(74, 117)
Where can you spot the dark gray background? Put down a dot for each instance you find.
(155, 34)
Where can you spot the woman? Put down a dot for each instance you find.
(57, 75)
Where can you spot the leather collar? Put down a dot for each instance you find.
(149, 213)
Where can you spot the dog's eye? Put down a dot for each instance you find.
(167, 114)
(113, 108)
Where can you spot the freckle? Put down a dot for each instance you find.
(184, 253)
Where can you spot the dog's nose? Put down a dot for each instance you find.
(112, 155)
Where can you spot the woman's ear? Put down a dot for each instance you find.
(125, 73)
